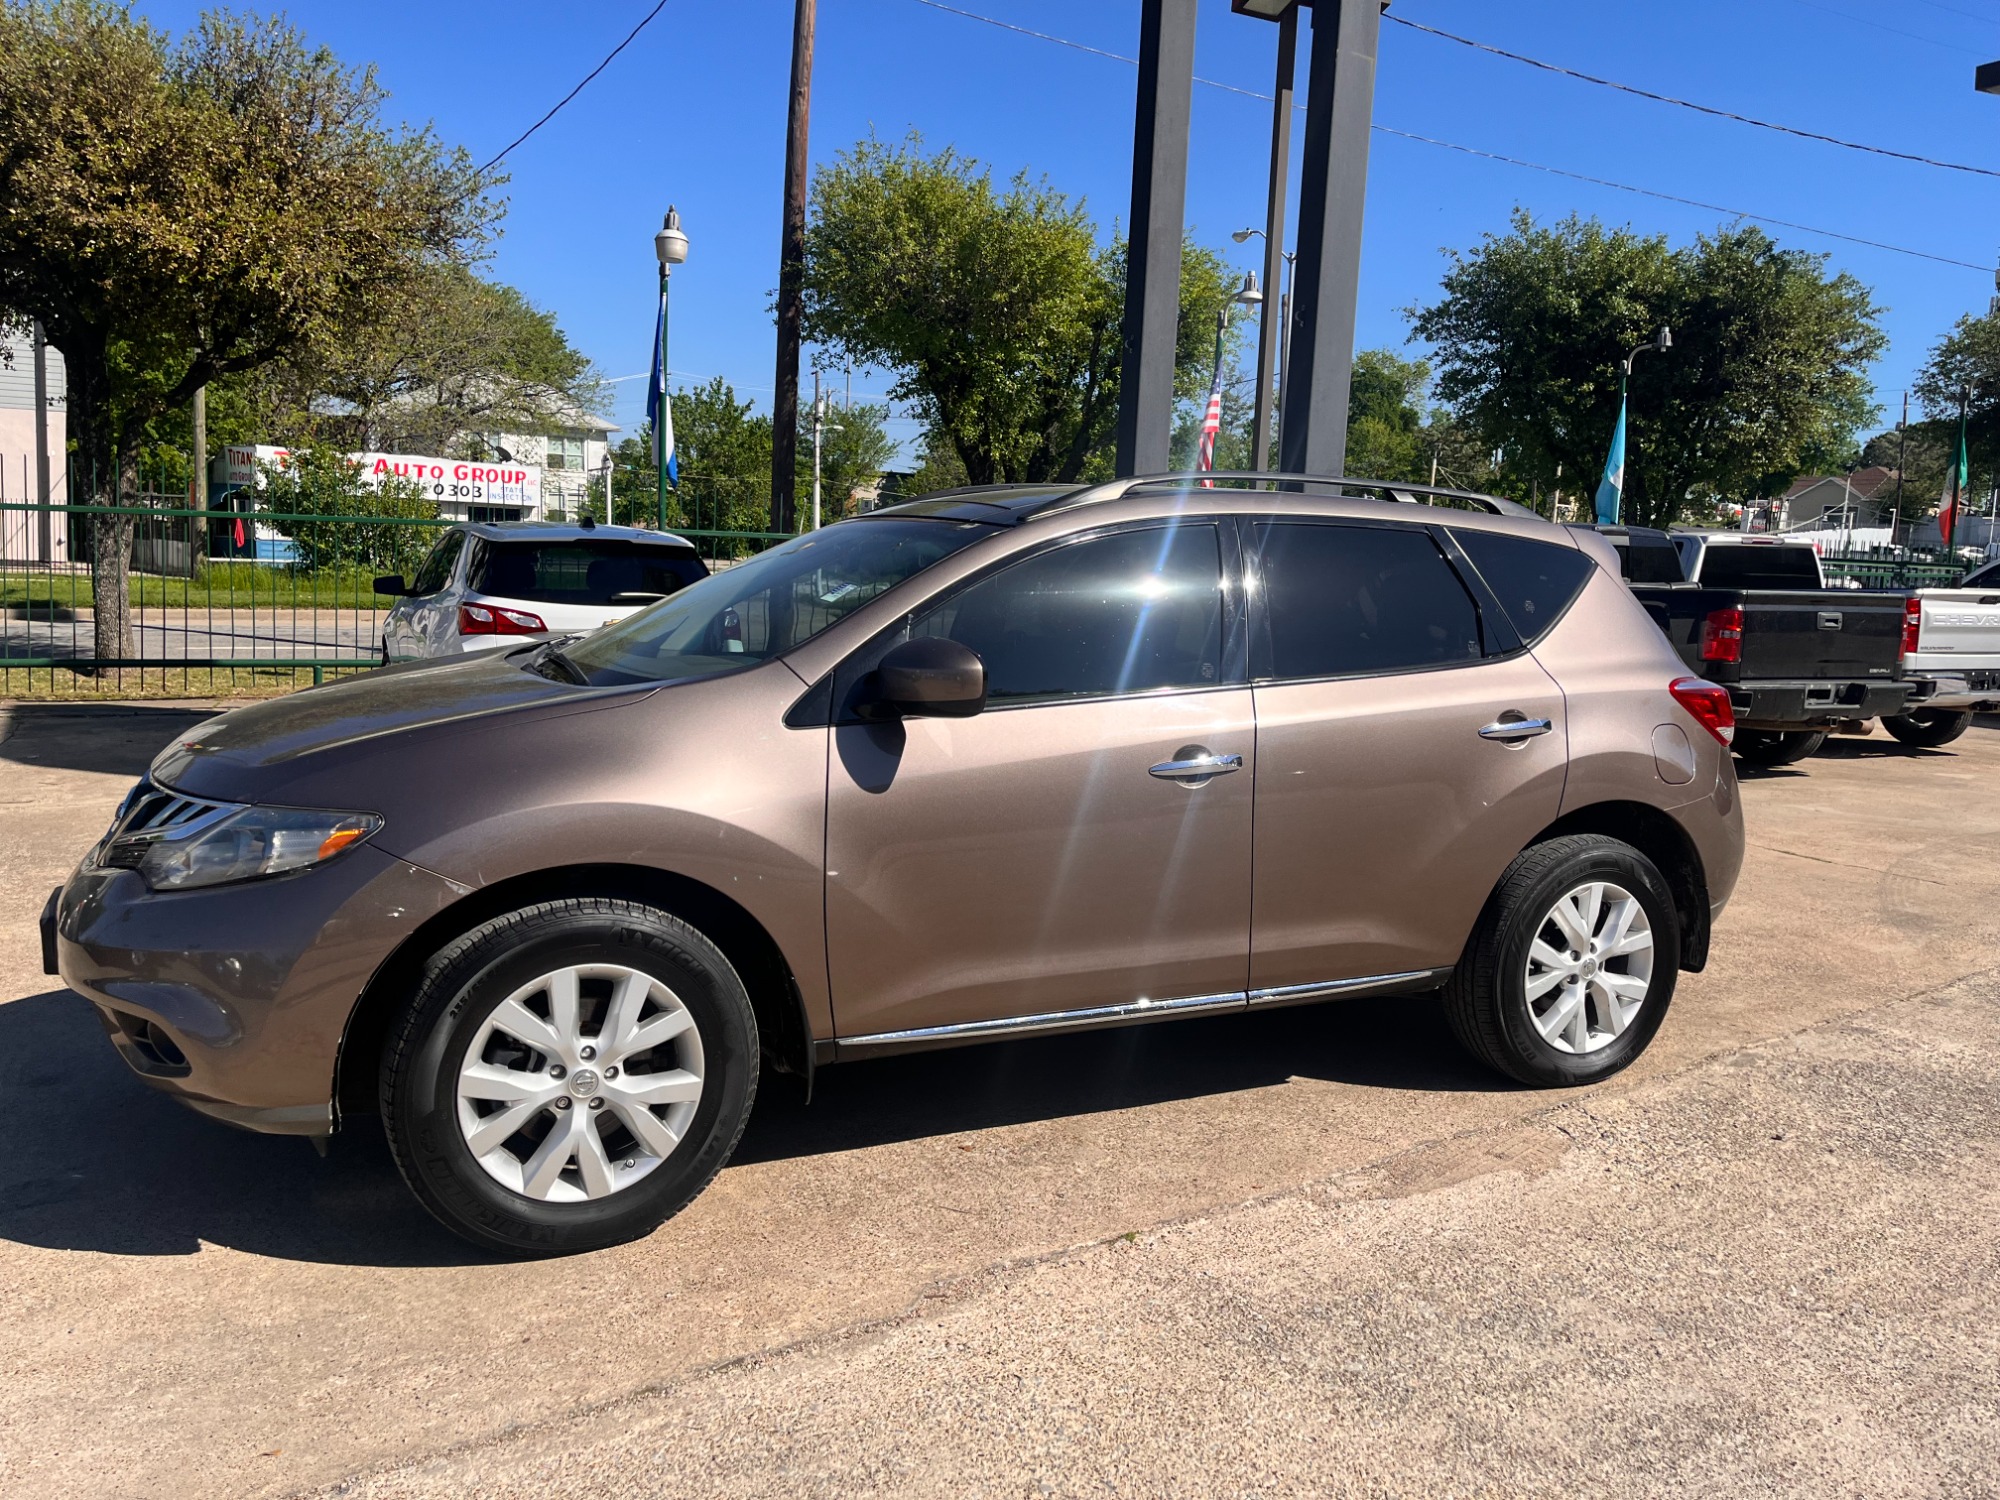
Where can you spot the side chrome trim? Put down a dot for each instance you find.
(1413, 979)
(1058, 1020)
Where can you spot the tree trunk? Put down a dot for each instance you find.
(111, 559)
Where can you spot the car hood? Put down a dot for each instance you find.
(253, 753)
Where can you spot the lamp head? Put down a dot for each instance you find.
(670, 244)
(1243, 234)
(1664, 339)
(1249, 296)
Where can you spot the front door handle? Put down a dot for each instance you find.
(1196, 767)
(1513, 731)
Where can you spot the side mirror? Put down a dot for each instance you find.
(391, 584)
(931, 678)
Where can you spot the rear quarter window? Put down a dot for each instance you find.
(1534, 581)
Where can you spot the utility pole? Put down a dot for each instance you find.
(45, 529)
(1153, 253)
(1271, 333)
(1333, 191)
(791, 275)
(1902, 442)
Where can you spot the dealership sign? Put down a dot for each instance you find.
(448, 481)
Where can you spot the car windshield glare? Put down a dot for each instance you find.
(760, 609)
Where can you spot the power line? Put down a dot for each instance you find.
(1928, 41)
(1512, 161)
(643, 24)
(1705, 109)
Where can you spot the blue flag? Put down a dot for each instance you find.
(1611, 488)
(658, 410)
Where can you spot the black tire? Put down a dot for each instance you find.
(1486, 1000)
(466, 982)
(1928, 728)
(1772, 747)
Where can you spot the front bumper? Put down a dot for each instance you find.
(234, 998)
(1816, 705)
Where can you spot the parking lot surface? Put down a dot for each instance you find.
(1314, 1251)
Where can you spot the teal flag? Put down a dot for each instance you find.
(1611, 488)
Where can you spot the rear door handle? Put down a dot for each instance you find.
(1513, 731)
(1196, 768)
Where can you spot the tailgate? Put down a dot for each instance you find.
(1838, 635)
(1961, 629)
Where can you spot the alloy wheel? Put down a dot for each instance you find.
(1589, 967)
(580, 1083)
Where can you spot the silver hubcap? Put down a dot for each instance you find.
(1589, 967)
(580, 1083)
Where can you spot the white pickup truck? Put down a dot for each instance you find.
(1952, 637)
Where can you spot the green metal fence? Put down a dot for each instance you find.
(222, 602)
(1898, 567)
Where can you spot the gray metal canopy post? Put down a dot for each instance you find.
(1153, 254)
(1333, 191)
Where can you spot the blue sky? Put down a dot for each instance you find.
(693, 112)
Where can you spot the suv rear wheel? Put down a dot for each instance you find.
(1570, 971)
(569, 1076)
(1929, 728)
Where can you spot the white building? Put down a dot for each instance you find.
(573, 453)
(24, 535)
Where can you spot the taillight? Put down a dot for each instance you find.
(1913, 624)
(496, 619)
(1707, 704)
(1722, 635)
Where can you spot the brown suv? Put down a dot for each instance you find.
(995, 762)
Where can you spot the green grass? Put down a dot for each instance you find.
(66, 685)
(216, 585)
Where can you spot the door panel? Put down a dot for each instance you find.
(1384, 819)
(1024, 861)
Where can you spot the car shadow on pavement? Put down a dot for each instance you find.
(1395, 1042)
(91, 1159)
(118, 739)
(1874, 749)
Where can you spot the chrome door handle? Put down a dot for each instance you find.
(1196, 768)
(1513, 731)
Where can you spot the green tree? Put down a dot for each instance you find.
(321, 482)
(997, 311)
(1924, 454)
(722, 451)
(1767, 369)
(1964, 362)
(176, 213)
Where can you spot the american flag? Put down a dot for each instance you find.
(1211, 420)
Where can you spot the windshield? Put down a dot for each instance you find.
(608, 571)
(764, 607)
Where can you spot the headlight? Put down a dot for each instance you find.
(241, 845)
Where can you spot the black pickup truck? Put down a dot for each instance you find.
(1754, 615)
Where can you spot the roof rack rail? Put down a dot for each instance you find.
(1409, 494)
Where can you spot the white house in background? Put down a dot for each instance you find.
(572, 452)
(25, 536)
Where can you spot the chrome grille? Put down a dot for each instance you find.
(150, 814)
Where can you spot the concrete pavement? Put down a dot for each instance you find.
(922, 1284)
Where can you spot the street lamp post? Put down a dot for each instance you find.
(1269, 387)
(670, 246)
(1664, 339)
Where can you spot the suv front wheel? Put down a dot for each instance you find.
(569, 1076)
(1571, 968)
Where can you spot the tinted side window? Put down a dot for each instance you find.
(1347, 600)
(1651, 560)
(1131, 612)
(436, 571)
(1985, 577)
(1534, 581)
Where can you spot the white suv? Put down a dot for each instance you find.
(493, 584)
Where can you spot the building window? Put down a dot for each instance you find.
(565, 453)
